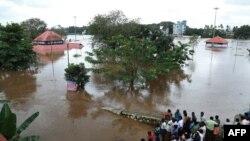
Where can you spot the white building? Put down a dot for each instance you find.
(180, 27)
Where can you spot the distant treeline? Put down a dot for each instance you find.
(236, 32)
(36, 26)
(85, 29)
(242, 32)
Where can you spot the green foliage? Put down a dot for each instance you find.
(34, 27)
(165, 25)
(79, 30)
(26, 123)
(243, 32)
(29, 138)
(128, 61)
(137, 60)
(15, 48)
(193, 41)
(60, 30)
(104, 27)
(77, 73)
(77, 55)
(206, 32)
(131, 52)
(8, 125)
(7, 122)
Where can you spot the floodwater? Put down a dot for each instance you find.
(216, 81)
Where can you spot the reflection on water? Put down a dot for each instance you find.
(18, 86)
(48, 58)
(215, 81)
(78, 104)
(160, 85)
(13, 84)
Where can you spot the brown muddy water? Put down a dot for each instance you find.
(216, 82)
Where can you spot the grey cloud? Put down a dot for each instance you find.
(238, 2)
(8, 14)
(32, 3)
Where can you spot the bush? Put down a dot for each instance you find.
(78, 74)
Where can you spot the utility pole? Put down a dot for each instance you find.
(68, 53)
(75, 27)
(216, 8)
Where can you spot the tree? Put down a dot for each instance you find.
(126, 62)
(34, 27)
(133, 53)
(60, 30)
(193, 40)
(135, 60)
(207, 32)
(195, 32)
(243, 32)
(228, 29)
(112, 24)
(220, 33)
(221, 27)
(167, 25)
(235, 28)
(79, 30)
(15, 48)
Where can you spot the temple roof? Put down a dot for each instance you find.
(48, 36)
(217, 40)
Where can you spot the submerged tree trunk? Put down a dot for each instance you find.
(131, 85)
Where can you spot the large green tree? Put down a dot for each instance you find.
(15, 48)
(107, 25)
(34, 27)
(130, 60)
(131, 52)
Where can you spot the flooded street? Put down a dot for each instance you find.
(216, 81)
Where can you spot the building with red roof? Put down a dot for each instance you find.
(217, 41)
(48, 37)
(50, 42)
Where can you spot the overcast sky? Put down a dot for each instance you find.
(196, 12)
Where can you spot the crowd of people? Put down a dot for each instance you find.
(183, 127)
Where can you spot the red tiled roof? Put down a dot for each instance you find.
(48, 36)
(217, 40)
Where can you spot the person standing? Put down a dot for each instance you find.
(236, 122)
(210, 128)
(163, 129)
(217, 120)
(193, 117)
(157, 132)
(202, 117)
(168, 115)
(177, 115)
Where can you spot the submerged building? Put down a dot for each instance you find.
(50, 42)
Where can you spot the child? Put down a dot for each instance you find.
(150, 136)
